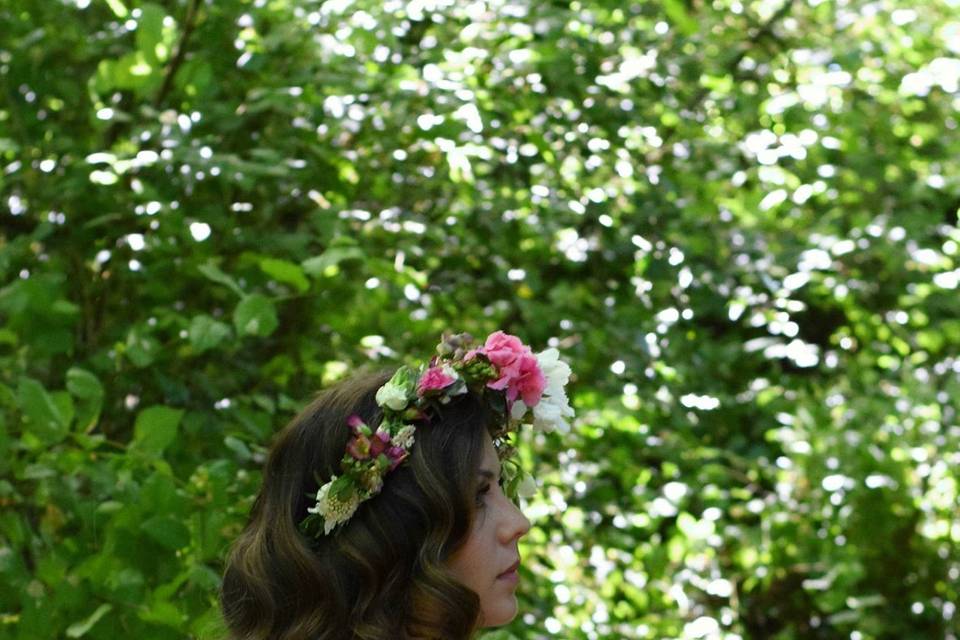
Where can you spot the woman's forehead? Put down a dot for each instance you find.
(490, 460)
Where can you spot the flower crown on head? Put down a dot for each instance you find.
(518, 385)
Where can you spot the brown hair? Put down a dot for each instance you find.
(382, 576)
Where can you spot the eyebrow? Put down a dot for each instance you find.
(486, 473)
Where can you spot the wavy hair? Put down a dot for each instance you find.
(383, 575)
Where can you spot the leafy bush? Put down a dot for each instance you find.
(738, 220)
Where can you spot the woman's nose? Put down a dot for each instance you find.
(515, 524)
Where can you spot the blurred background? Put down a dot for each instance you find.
(737, 219)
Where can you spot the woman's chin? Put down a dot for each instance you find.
(503, 613)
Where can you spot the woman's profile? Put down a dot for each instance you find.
(386, 510)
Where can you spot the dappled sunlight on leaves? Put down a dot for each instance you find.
(737, 219)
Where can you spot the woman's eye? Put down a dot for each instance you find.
(484, 490)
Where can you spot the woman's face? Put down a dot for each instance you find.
(487, 563)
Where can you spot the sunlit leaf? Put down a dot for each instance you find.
(80, 629)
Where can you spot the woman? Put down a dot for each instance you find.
(386, 509)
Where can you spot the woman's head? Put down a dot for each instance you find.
(382, 514)
(387, 572)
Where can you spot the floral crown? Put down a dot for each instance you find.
(518, 385)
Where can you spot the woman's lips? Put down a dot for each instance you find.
(510, 575)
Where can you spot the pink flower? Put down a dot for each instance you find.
(519, 372)
(396, 455)
(529, 383)
(355, 423)
(364, 445)
(502, 349)
(434, 379)
(359, 447)
(379, 443)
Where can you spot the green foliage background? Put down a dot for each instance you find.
(737, 219)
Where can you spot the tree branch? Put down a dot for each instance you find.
(175, 63)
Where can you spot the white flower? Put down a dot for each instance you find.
(332, 510)
(550, 415)
(320, 507)
(392, 396)
(527, 487)
(554, 408)
(339, 512)
(555, 370)
(519, 409)
(404, 437)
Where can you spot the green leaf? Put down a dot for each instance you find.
(206, 333)
(155, 429)
(150, 34)
(213, 272)
(168, 589)
(161, 612)
(331, 257)
(83, 384)
(64, 404)
(285, 271)
(141, 348)
(255, 315)
(160, 492)
(205, 578)
(195, 76)
(131, 71)
(168, 531)
(118, 8)
(680, 17)
(89, 393)
(42, 415)
(238, 446)
(79, 629)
